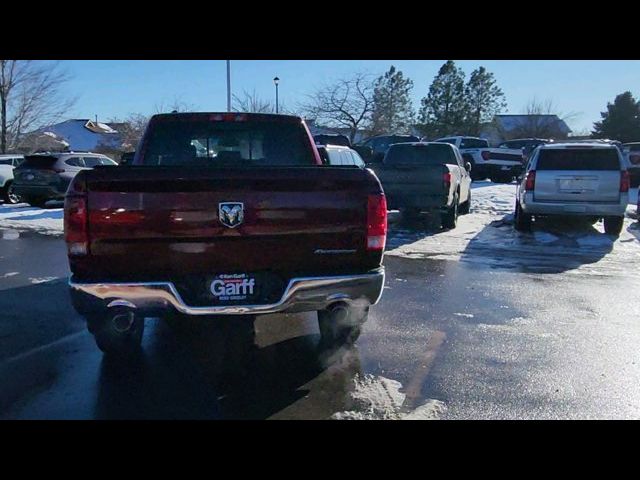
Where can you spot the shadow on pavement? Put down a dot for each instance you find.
(554, 245)
(212, 371)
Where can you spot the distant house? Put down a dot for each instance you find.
(506, 127)
(83, 134)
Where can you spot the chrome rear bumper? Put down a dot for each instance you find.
(301, 295)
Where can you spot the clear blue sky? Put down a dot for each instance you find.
(117, 88)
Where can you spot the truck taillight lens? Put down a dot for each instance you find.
(446, 177)
(485, 155)
(530, 184)
(376, 222)
(624, 181)
(75, 225)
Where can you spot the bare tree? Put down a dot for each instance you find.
(348, 102)
(177, 105)
(30, 97)
(251, 102)
(130, 129)
(538, 122)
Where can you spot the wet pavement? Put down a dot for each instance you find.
(450, 339)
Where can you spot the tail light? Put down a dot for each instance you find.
(376, 222)
(446, 177)
(530, 183)
(76, 218)
(624, 181)
(485, 154)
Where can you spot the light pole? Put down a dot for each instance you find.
(276, 80)
(228, 85)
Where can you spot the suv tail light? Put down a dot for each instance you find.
(485, 154)
(376, 222)
(530, 183)
(624, 181)
(76, 218)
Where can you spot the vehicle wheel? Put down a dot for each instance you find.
(9, 194)
(522, 221)
(613, 225)
(37, 202)
(465, 208)
(341, 324)
(450, 217)
(119, 333)
(411, 214)
(502, 178)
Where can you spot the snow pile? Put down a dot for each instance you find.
(487, 236)
(24, 217)
(379, 398)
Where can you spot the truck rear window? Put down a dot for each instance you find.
(579, 159)
(205, 143)
(474, 143)
(427, 154)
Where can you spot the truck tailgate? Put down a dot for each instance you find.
(412, 182)
(158, 222)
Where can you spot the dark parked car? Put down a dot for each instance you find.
(251, 224)
(432, 177)
(381, 143)
(527, 145)
(43, 177)
(332, 139)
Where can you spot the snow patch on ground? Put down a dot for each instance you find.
(10, 274)
(47, 221)
(486, 236)
(379, 398)
(41, 280)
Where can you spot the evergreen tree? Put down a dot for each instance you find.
(392, 109)
(621, 121)
(484, 98)
(444, 109)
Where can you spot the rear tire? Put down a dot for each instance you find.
(613, 225)
(38, 202)
(450, 217)
(341, 325)
(521, 220)
(502, 178)
(118, 334)
(9, 195)
(465, 208)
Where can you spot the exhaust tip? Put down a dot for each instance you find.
(122, 322)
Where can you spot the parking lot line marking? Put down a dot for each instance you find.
(412, 391)
(23, 355)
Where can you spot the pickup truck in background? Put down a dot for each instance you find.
(426, 177)
(7, 164)
(221, 215)
(501, 165)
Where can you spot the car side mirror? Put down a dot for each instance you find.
(467, 166)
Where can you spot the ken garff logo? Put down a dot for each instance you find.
(231, 214)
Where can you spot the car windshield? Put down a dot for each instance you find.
(427, 154)
(38, 161)
(578, 159)
(206, 143)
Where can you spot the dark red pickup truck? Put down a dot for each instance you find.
(224, 214)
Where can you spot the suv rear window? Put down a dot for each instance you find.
(204, 143)
(427, 154)
(38, 161)
(579, 159)
(474, 143)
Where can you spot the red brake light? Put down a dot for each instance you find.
(624, 181)
(376, 222)
(76, 217)
(485, 155)
(530, 184)
(447, 178)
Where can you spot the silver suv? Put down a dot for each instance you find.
(574, 179)
(44, 177)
